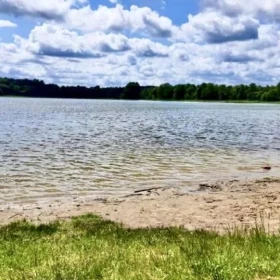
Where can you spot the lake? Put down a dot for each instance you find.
(55, 148)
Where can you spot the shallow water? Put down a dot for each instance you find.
(62, 148)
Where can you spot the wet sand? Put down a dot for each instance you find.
(217, 207)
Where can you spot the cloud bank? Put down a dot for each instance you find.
(72, 43)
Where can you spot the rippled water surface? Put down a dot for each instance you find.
(60, 148)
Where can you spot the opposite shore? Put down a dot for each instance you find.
(134, 91)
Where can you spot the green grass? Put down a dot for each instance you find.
(91, 248)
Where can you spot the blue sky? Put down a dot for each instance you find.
(112, 42)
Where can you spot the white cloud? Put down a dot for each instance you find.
(268, 10)
(7, 23)
(118, 19)
(226, 42)
(213, 27)
(47, 9)
(58, 55)
(147, 48)
(56, 41)
(53, 40)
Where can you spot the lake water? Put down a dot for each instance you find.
(52, 148)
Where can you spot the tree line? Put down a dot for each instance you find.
(133, 91)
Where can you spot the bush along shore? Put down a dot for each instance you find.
(88, 247)
(133, 91)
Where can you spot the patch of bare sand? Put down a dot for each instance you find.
(216, 207)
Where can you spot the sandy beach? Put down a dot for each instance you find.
(217, 207)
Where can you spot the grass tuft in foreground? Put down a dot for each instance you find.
(91, 248)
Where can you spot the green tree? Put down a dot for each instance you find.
(240, 93)
(190, 92)
(148, 93)
(222, 92)
(271, 95)
(209, 92)
(179, 92)
(132, 91)
(199, 91)
(278, 88)
(165, 92)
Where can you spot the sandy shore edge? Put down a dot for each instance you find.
(217, 207)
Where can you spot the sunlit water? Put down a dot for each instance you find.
(62, 148)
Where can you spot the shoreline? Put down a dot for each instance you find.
(212, 207)
(156, 100)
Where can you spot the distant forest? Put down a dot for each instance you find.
(133, 91)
